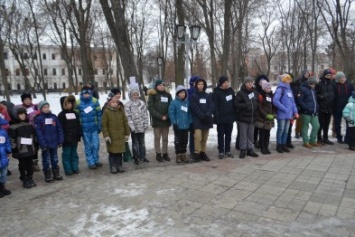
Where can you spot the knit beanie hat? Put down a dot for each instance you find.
(132, 91)
(332, 71)
(312, 80)
(158, 82)
(180, 88)
(285, 77)
(21, 111)
(115, 90)
(248, 79)
(86, 90)
(26, 95)
(42, 103)
(222, 80)
(326, 72)
(339, 75)
(265, 85)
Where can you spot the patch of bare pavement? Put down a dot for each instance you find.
(302, 193)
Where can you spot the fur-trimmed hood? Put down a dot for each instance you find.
(154, 91)
(67, 100)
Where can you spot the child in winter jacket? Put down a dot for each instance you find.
(5, 152)
(265, 120)
(349, 116)
(116, 132)
(90, 115)
(50, 136)
(70, 122)
(24, 146)
(202, 108)
(180, 117)
(137, 115)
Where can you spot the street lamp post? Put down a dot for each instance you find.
(160, 64)
(184, 38)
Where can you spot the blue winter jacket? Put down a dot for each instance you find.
(179, 113)
(284, 102)
(90, 114)
(307, 100)
(48, 130)
(5, 144)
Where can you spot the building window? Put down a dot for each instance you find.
(80, 71)
(53, 56)
(17, 72)
(103, 71)
(54, 72)
(5, 55)
(27, 71)
(44, 56)
(63, 71)
(45, 72)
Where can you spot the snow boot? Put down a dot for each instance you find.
(56, 174)
(3, 190)
(48, 176)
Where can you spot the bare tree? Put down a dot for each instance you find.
(3, 33)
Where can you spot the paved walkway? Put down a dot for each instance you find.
(303, 193)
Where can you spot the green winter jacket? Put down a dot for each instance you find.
(158, 106)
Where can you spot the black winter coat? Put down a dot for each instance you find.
(307, 100)
(20, 134)
(224, 105)
(247, 105)
(342, 94)
(296, 87)
(325, 90)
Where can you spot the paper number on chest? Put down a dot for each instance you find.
(70, 116)
(88, 110)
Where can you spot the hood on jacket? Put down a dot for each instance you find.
(68, 99)
(204, 84)
(154, 91)
(21, 111)
(180, 88)
(258, 79)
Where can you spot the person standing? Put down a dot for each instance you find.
(190, 92)
(94, 93)
(343, 90)
(90, 114)
(224, 116)
(158, 106)
(308, 108)
(349, 116)
(325, 90)
(286, 111)
(247, 106)
(5, 152)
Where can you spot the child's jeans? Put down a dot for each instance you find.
(3, 174)
(49, 158)
(138, 145)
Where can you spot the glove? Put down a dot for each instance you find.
(270, 117)
(296, 116)
(126, 138)
(59, 145)
(175, 127)
(108, 140)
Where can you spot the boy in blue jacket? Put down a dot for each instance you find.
(5, 152)
(180, 117)
(50, 136)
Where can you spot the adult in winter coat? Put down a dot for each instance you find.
(90, 115)
(180, 117)
(116, 132)
(343, 90)
(224, 115)
(265, 120)
(50, 136)
(308, 108)
(94, 93)
(349, 116)
(246, 103)
(202, 108)
(70, 121)
(325, 90)
(286, 110)
(137, 115)
(158, 106)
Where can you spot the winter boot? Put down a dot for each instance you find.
(257, 144)
(184, 158)
(178, 158)
(279, 148)
(221, 155)
(285, 148)
(136, 160)
(26, 183)
(229, 155)
(242, 154)
(56, 174)
(195, 157)
(112, 164)
(31, 181)
(3, 190)
(252, 153)
(203, 156)
(166, 157)
(119, 164)
(48, 176)
(35, 166)
(159, 157)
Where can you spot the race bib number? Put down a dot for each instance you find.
(2, 140)
(268, 99)
(88, 110)
(48, 121)
(70, 116)
(26, 141)
(183, 108)
(202, 101)
(289, 94)
(251, 95)
(29, 110)
(164, 99)
(229, 97)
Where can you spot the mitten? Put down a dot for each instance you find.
(270, 117)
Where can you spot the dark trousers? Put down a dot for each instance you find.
(192, 140)
(337, 124)
(224, 134)
(352, 137)
(264, 138)
(237, 139)
(324, 121)
(256, 134)
(181, 137)
(289, 135)
(25, 167)
(138, 145)
(50, 159)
